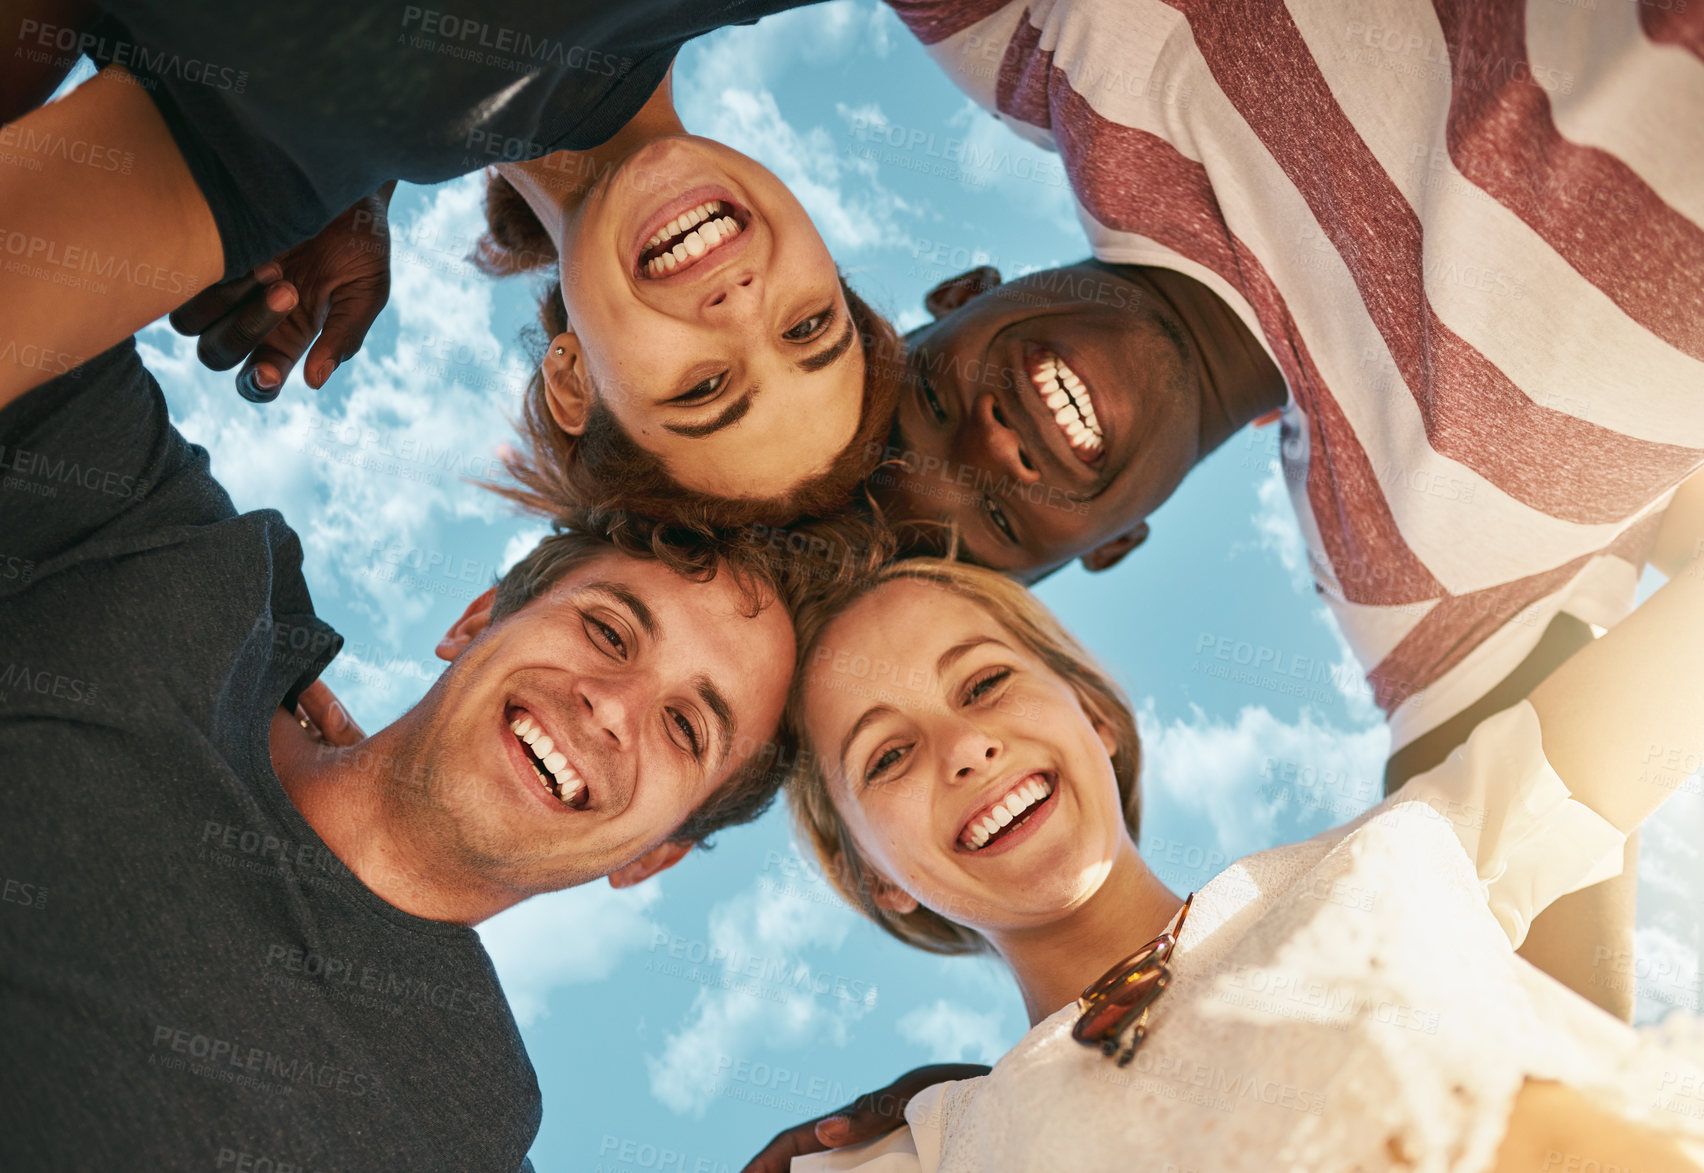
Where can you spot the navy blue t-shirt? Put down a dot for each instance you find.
(189, 977)
(288, 113)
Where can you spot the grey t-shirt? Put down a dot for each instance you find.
(188, 975)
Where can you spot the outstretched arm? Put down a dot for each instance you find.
(89, 256)
(1623, 720)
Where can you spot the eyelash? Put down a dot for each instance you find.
(685, 727)
(609, 633)
(980, 686)
(977, 689)
(998, 516)
(931, 399)
(701, 392)
(708, 388)
(618, 650)
(826, 316)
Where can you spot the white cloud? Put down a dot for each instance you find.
(812, 38)
(1274, 520)
(840, 191)
(1669, 942)
(1221, 771)
(521, 544)
(767, 989)
(566, 938)
(371, 470)
(954, 1033)
(369, 684)
(1031, 177)
(726, 94)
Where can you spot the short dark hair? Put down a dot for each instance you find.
(753, 786)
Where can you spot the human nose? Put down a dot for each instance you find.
(999, 445)
(738, 296)
(612, 704)
(968, 750)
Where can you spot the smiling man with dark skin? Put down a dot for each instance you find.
(977, 443)
(245, 945)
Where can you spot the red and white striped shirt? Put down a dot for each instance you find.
(1467, 232)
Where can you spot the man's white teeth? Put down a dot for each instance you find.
(1069, 400)
(1004, 813)
(706, 227)
(569, 786)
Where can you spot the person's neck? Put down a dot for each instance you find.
(355, 799)
(555, 185)
(1054, 963)
(1239, 381)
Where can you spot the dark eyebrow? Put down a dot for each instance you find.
(827, 358)
(718, 705)
(631, 601)
(858, 727)
(730, 416)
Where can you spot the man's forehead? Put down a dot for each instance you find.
(654, 591)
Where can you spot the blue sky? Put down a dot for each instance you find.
(680, 1024)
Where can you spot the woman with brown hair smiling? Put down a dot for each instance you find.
(764, 386)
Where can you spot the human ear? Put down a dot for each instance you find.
(465, 630)
(1110, 553)
(1108, 737)
(891, 896)
(567, 390)
(954, 292)
(658, 859)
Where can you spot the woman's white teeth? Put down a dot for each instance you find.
(1069, 400)
(568, 787)
(1004, 813)
(705, 227)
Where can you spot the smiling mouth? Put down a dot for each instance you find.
(1008, 814)
(551, 765)
(1068, 400)
(690, 237)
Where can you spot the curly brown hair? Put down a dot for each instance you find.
(602, 476)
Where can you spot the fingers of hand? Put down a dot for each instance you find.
(836, 1132)
(230, 339)
(213, 303)
(354, 308)
(777, 1156)
(266, 370)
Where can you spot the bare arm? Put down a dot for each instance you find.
(1553, 1127)
(1681, 539)
(88, 256)
(1623, 720)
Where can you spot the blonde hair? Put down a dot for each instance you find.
(1036, 629)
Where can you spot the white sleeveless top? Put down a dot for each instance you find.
(1352, 1000)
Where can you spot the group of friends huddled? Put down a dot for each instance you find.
(1454, 251)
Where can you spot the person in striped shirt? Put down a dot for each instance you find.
(1457, 250)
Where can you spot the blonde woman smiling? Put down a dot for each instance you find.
(1353, 1001)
